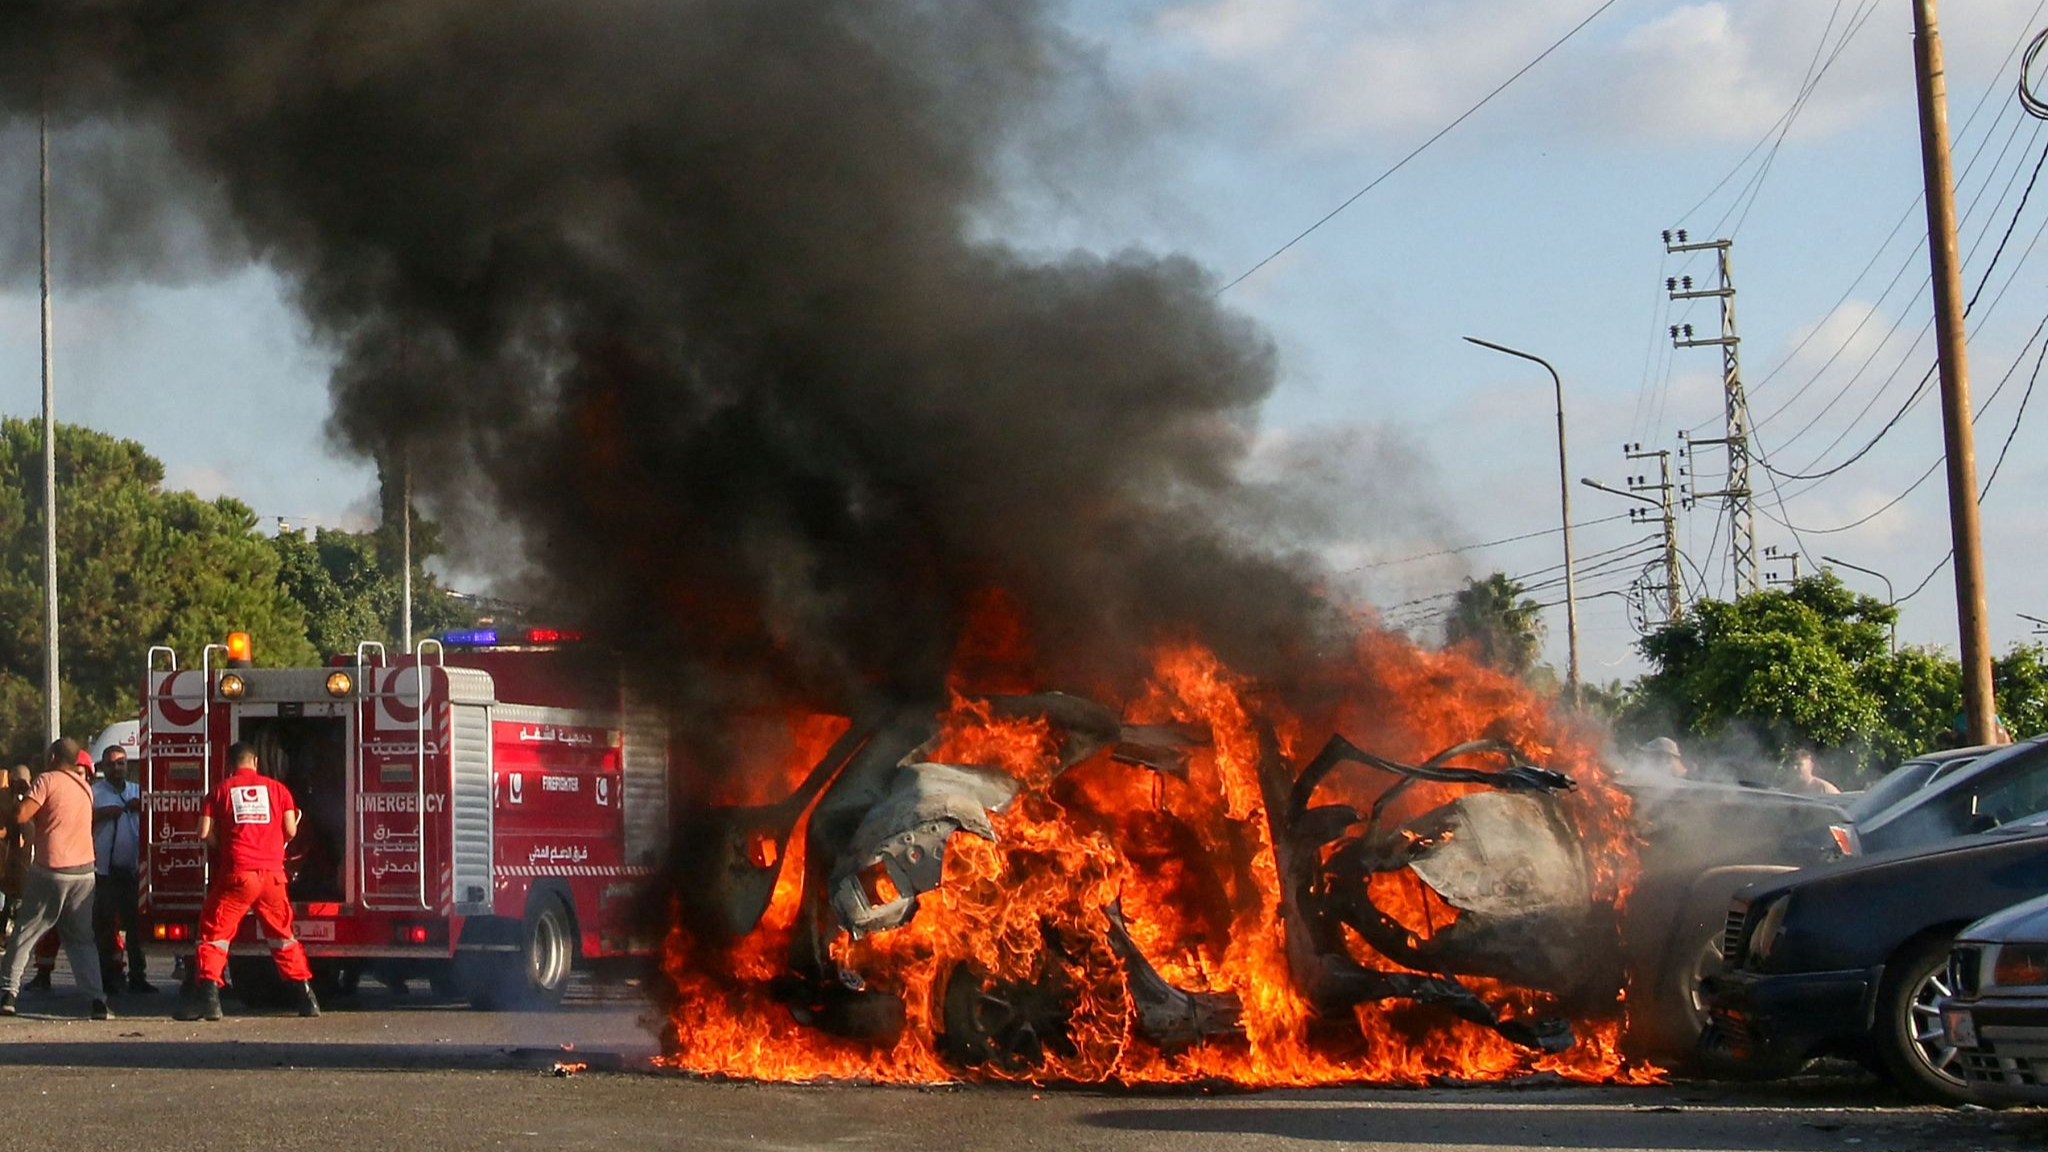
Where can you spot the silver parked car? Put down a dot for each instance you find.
(1996, 1013)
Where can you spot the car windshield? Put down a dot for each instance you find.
(1897, 784)
(2002, 786)
(2011, 797)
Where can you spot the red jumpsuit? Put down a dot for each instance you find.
(248, 813)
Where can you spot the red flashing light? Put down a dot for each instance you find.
(551, 635)
(172, 932)
(416, 934)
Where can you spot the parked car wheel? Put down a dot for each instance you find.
(1908, 1042)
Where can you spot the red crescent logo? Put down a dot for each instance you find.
(393, 700)
(175, 714)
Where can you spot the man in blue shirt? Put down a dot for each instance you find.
(116, 850)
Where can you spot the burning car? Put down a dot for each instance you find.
(1036, 885)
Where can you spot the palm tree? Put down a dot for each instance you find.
(1497, 623)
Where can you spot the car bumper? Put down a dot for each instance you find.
(1772, 1021)
(2009, 1061)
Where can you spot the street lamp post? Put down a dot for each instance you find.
(1564, 498)
(1891, 598)
(53, 700)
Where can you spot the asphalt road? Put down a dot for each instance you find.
(383, 1072)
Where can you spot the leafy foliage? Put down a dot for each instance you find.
(136, 566)
(349, 587)
(1497, 623)
(1810, 665)
(139, 566)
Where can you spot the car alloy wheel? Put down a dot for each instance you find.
(1930, 1043)
(1907, 1039)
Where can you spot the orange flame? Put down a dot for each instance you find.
(1191, 863)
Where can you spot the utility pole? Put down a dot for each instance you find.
(1973, 625)
(1669, 517)
(1666, 515)
(1775, 553)
(405, 552)
(53, 699)
(1736, 492)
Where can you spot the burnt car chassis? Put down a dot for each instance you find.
(882, 814)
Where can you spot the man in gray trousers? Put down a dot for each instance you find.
(59, 890)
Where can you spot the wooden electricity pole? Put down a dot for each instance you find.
(1972, 623)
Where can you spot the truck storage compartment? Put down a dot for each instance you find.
(309, 755)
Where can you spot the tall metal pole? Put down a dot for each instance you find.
(1741, 512)
(1891, 598)
(405, 536)
(53, 703)
(1973, 624)
(1564, 495)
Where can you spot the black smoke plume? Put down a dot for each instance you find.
(695, 299)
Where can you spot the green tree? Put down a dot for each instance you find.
(136, 566)
(1500, 626)
(350, 589)
(1780, 667)
(1811, 665)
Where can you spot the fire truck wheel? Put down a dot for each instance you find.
(537, 974)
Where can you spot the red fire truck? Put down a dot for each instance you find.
(480, 812)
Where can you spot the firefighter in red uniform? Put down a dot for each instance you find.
(248, 819)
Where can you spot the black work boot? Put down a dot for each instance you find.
(202, 1004)
(309, 1005)
(42, 981)
(6, 1004)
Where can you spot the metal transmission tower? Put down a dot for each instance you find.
(1791, 556)
(1668, 519)
(1736, 494)
(1660, 495)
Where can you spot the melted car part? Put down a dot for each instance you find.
(1170, 1017)
(1499, 854)
(899, 849)
(732, 855)
(1324, 872)
(1008, 1024)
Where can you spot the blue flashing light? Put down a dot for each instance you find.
(471, 637)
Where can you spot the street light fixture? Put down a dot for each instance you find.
(1564, 492)
(1891, 598)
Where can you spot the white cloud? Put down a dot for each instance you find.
(1240, 29)
(1723, 70)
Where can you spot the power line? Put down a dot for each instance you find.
(1976, 154)
(1484, 544)
(1986, 488)
(1921, 390)
(1419, 148)
(1755, 187)
(1777, 129)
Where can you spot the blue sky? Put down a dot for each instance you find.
(1534, 224)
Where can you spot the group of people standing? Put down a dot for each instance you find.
(70, 854)
(73, 845)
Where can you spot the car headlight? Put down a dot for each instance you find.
(1769, 929)
(2020, 965)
